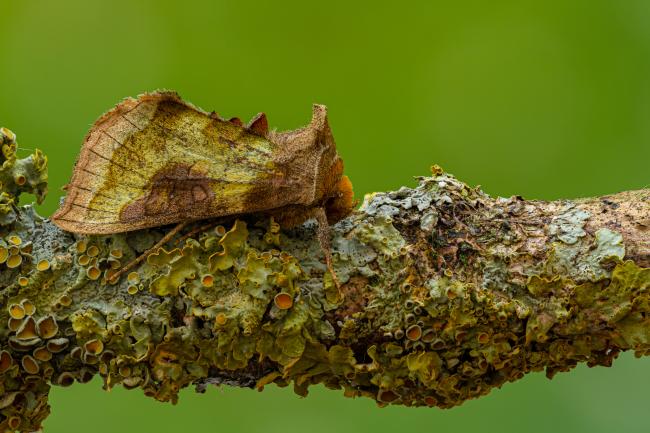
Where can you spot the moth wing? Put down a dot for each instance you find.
(158, 160)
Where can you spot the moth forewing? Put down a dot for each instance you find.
(158, 160)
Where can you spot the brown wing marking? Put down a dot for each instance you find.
(174, 190)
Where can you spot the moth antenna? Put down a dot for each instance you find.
(259, 125)
(236, 121)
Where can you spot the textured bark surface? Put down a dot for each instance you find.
(446, 294)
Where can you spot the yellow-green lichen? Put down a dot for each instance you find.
(434, 306)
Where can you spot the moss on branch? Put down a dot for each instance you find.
(446, 294)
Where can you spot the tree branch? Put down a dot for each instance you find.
(446, 294)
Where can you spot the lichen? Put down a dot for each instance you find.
(440, 300)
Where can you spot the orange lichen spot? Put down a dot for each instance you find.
(132, 290)
(42, 354)
(27, 329)
(116, 253)
(414, 332)
(221, 319)
(16, 311)
(28, 306)
(76, 352)
(108, 275)
(30, 365)
(438, 344)
(83, 260)
(124, 371)
(85, 375)
(133, 278)
(483, 337)
(4, 254)
(283, 301)
(89, 358)
(23, 345)
(220, 230)
(6, 361)
(207, 280)
(43, 265)
(14, 324)
(14, 261)
(65, 300)
(13, 422)
(14, 240)
(47, 327)
(65, 379)
(94, 346)
(387, 396)
(23, 281)
(164, 357)
(428, 336)
(57, 345)
(93, 272)
(430, 401)
(20, 180)
(92, 251)
(48, 371)
(81, 246)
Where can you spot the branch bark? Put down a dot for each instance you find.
(446, 294)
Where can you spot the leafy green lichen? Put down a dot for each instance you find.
(431, 311)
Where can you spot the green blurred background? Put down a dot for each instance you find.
(545, 99)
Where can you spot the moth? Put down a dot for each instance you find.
(159, 160)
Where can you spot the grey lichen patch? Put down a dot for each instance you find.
(586, 263)
(380, 234)
(439, 302)
(568, 226)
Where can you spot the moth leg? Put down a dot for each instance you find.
(113, 278)
(323, 234)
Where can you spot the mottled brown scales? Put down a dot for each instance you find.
(159, 160)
